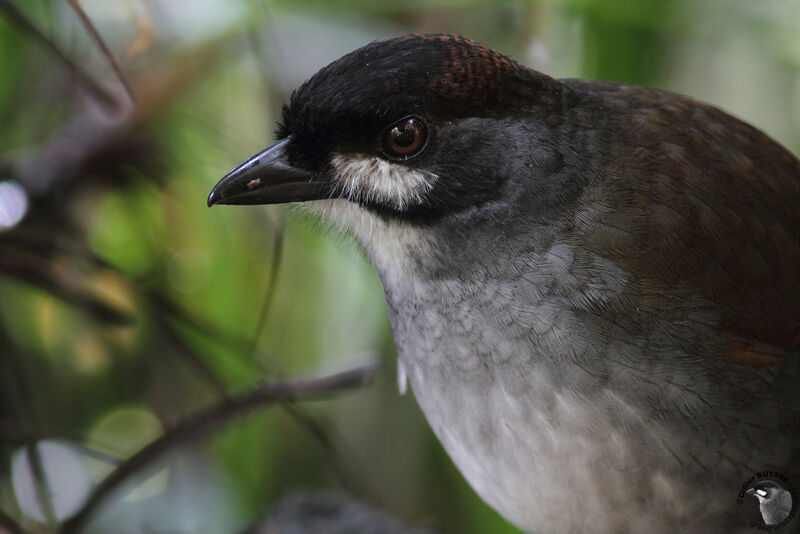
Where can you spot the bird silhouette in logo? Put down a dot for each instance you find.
(774, 501)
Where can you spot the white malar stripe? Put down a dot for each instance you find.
(362, 178)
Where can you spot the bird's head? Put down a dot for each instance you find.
(411, 129)
(764, 490)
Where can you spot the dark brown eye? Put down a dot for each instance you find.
(405, 138)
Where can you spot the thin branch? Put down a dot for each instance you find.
(18, 17)
(26, 269)
(89, 140)
(321, 434)
(96, 454)
(40, 482)
(272, 283)
(207, 420)
(261, 61)
(7, 522)
(45, 245)
(199, 325)
(342, 468)
(12, 432)
(340, 465)
(339, 460)
(13, 388)
(190, 357)
(98, 40)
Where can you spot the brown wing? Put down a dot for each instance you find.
(713, 206)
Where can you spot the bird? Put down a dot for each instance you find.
(774, 502)
(593, 287)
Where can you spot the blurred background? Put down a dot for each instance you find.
(126, 304)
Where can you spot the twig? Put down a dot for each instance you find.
(95, 35)
(8, 523)
(18, 17)
(96, 454)
(272, 283)
(40, 482)
(45, 245)
(340, 465)
(197, 324)
(89, 139)
(340, 461)
(190, 357)
(12, 432)
(206, 420)
(279, 229)
(28, 270)
(13, 388)
(321, 434)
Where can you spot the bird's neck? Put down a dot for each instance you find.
(399, 251)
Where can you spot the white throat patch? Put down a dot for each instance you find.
(388, 243)
(368, 179)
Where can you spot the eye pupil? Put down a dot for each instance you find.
(405, 138)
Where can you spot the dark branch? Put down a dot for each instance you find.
(95, 35)
(272, 283)
(30, 271)
(171, 309)
(8, 523)
(208, 419)
(207, 374)
(190, 357)
(13, 432)
(18, 17)
(40, 482)
(343, 464)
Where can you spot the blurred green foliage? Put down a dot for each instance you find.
(133, 233)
